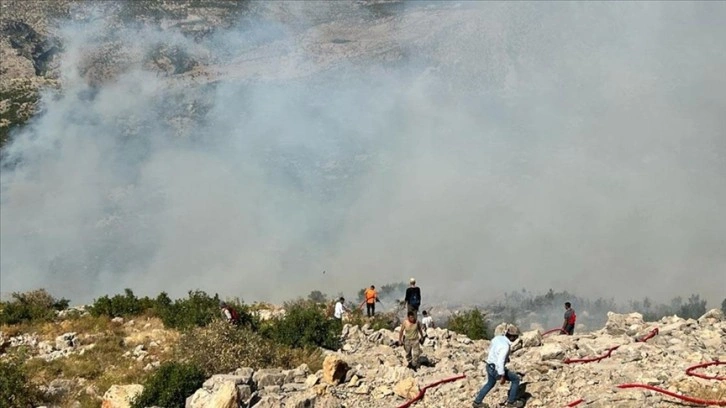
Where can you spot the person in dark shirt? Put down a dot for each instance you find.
(413, 297)
(568, 326)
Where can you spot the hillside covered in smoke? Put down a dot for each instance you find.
(267, 149)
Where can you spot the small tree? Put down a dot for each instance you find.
(303, 325)
(694, 309)
(170, 385)
(472, 323)
(317, 297)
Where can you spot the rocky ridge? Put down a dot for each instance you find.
(369, 370)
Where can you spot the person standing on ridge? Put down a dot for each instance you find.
(413, 297)
(411, 336)
(371, 297)
(568, 326)
(340, 309)
(497, 359)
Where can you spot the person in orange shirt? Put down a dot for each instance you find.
(371, 297)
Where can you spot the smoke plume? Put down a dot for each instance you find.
(478, 147)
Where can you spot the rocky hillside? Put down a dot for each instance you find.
(370, 372)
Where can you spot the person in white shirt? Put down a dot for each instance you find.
(340, 308)
(427, 321)
(496, 361)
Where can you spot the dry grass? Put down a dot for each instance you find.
(102, 365)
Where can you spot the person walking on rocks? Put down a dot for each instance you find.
(411, 336)
(413, 297)
(568, 326)
(497, 359)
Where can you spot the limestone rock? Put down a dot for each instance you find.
(334, 369)
(531, 338)
(65, 341)
(225, 397)
(121, 396)
(551, 351)
(407, 388)
(629, 324)
(268, 377)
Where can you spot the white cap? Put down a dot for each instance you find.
(412, 280)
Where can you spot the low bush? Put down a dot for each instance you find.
(33, 306)
(15, 389)
(304, 324)
(170, 385)
(472, 323)
(220, 347)
(197, 310)
(125, 305)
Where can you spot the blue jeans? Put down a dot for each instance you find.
(492, 380)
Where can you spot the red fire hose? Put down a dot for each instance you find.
(689, 371)
(649, 336)
(610, 350)
(591, 359)
(674, 395)
(432, 385)
(553, 331)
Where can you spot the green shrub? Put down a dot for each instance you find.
(304, 324)
(198, 310)
(121, 305)
(472, 323)
(170, 385)
(220, 347)
(15, 388)
(36, 305)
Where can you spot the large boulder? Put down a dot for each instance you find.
(619, 324)
(334, 369)
(121, 396)
(531, 338)
(267, 377)
(551, 351)
(711, 317)
(225, 397)
(66, 340)
(407, 388)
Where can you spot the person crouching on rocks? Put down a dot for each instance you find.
(411, 336)
(497, 359)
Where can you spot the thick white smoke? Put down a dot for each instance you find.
(481, 148)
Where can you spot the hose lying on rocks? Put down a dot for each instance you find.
(555, 330)
(432, 385)
(689, 371)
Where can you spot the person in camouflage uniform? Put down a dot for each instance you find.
(411, 336)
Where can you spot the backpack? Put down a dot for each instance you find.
(235, 316)
(415, 300)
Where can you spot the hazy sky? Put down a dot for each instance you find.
(479, 147)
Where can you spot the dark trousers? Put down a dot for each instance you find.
(371, 309)
(569, 329)
(411, 308)
(492, 381)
